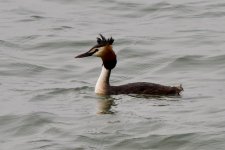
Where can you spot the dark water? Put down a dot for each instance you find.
(47, 99)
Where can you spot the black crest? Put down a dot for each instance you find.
(103, 41)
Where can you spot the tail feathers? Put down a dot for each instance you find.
(179, 89)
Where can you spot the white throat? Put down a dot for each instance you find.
(102, 86)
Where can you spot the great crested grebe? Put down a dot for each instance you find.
(103, 49)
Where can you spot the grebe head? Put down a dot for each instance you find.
(102, 49)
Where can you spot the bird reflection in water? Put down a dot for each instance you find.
(105, 104)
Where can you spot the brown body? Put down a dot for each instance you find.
(145, 88)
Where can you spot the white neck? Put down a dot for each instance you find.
(102, 85)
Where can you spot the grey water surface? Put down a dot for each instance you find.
(47, 99)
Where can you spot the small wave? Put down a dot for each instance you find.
(32, 18)
(195, 62)
(62, 28)
(59, 44)
(9, 44)
(31, 68)
(52, 92)
(27, 38)
(157, 141)
(65, 90)
(21, 125)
